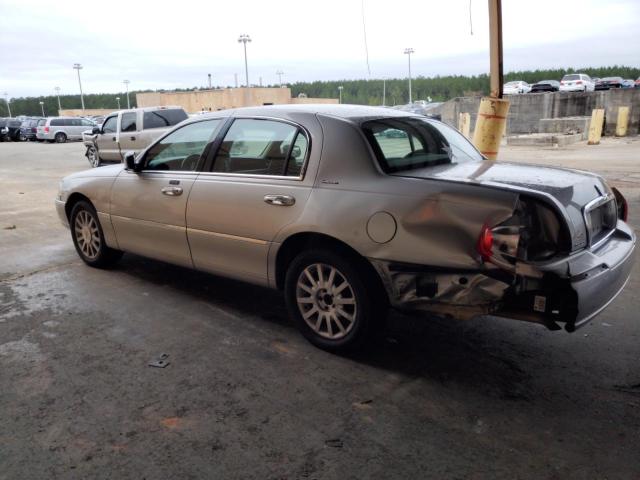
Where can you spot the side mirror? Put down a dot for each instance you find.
(130, 162)
(95, 130)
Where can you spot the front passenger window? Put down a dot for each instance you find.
(181, 149)
(109, 125)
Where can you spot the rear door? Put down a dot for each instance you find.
(107, 140)
(255, 188)
(148, 208)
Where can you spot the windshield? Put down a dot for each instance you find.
(511, 84)
(402, 144)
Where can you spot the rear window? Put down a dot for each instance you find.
(402, 144)
(163, 118)
(42, 122)
(571, 77)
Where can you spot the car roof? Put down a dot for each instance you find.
(354, 113)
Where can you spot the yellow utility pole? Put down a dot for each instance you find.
(492, 114)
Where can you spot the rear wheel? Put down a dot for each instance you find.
(88, 237)
(60, 137)
(334, 302)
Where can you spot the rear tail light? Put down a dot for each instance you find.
(621, 204)
(485, 243)
(46, 129)
(561, 83)
(579, 82)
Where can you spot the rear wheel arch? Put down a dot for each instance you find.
(300, 242)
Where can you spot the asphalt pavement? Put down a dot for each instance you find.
(245, 396)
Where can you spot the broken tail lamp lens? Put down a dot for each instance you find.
(621, 204)
(485, 243)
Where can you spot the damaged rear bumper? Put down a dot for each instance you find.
(571, 291)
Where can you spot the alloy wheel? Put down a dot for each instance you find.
(326, 301)
(87, 234)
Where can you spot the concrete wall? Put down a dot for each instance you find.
(526, 111)
(78, 112)
(220, 99)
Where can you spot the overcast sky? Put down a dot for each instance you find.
(175, 44)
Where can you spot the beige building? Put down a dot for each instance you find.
(223, 98)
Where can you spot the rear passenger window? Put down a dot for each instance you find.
(57, 122)
(163, 118)
(261, 147)
(181, 149)
(128, 122)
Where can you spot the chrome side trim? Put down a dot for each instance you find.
(148, 222)
(228, 236)
(250, 175)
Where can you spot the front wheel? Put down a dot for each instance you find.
(93, 157)
(88, 237)
(335, 304)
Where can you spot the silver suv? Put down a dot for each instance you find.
(61, 129)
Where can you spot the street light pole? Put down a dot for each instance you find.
(126, 83)
(384, 91)
(78, 67)
(244, 38)
(408, 52)
(280, 73)
(57, 89)
(6, 99)
(118, 100)
(42, 107)
(340, 91)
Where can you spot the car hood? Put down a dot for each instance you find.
(106, 171)
(569, 190)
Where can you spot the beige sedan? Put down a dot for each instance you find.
(352, 209)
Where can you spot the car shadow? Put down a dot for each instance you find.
(473, 354)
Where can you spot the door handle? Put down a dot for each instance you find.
(172, 191)
(113, 138)
(133, 138)
(282, 200)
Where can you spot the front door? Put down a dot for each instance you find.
(107, 140)
(129, 133)
(148, 208)
(255, 188)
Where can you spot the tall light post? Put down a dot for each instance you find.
(408, 52)
(244, 38)
(384, 91)
(340, 93)
(209, 75)
(78, 67)
(57, 89)
(118, 100)
(279, 73)
(42, 107)
(126, 84)
(6, 99)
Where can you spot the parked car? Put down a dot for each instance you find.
(516, 87)
(28, 129)
(628, 83)
(61, 129)
(321, 203)
(129, 130)
(9, 129)
(637, 82)
(545, 86)
(576, 82)
(608, 83)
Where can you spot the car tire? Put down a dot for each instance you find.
(334, 300)
(88, 237)
(60, 137)
(93, 157)
(23, 138)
